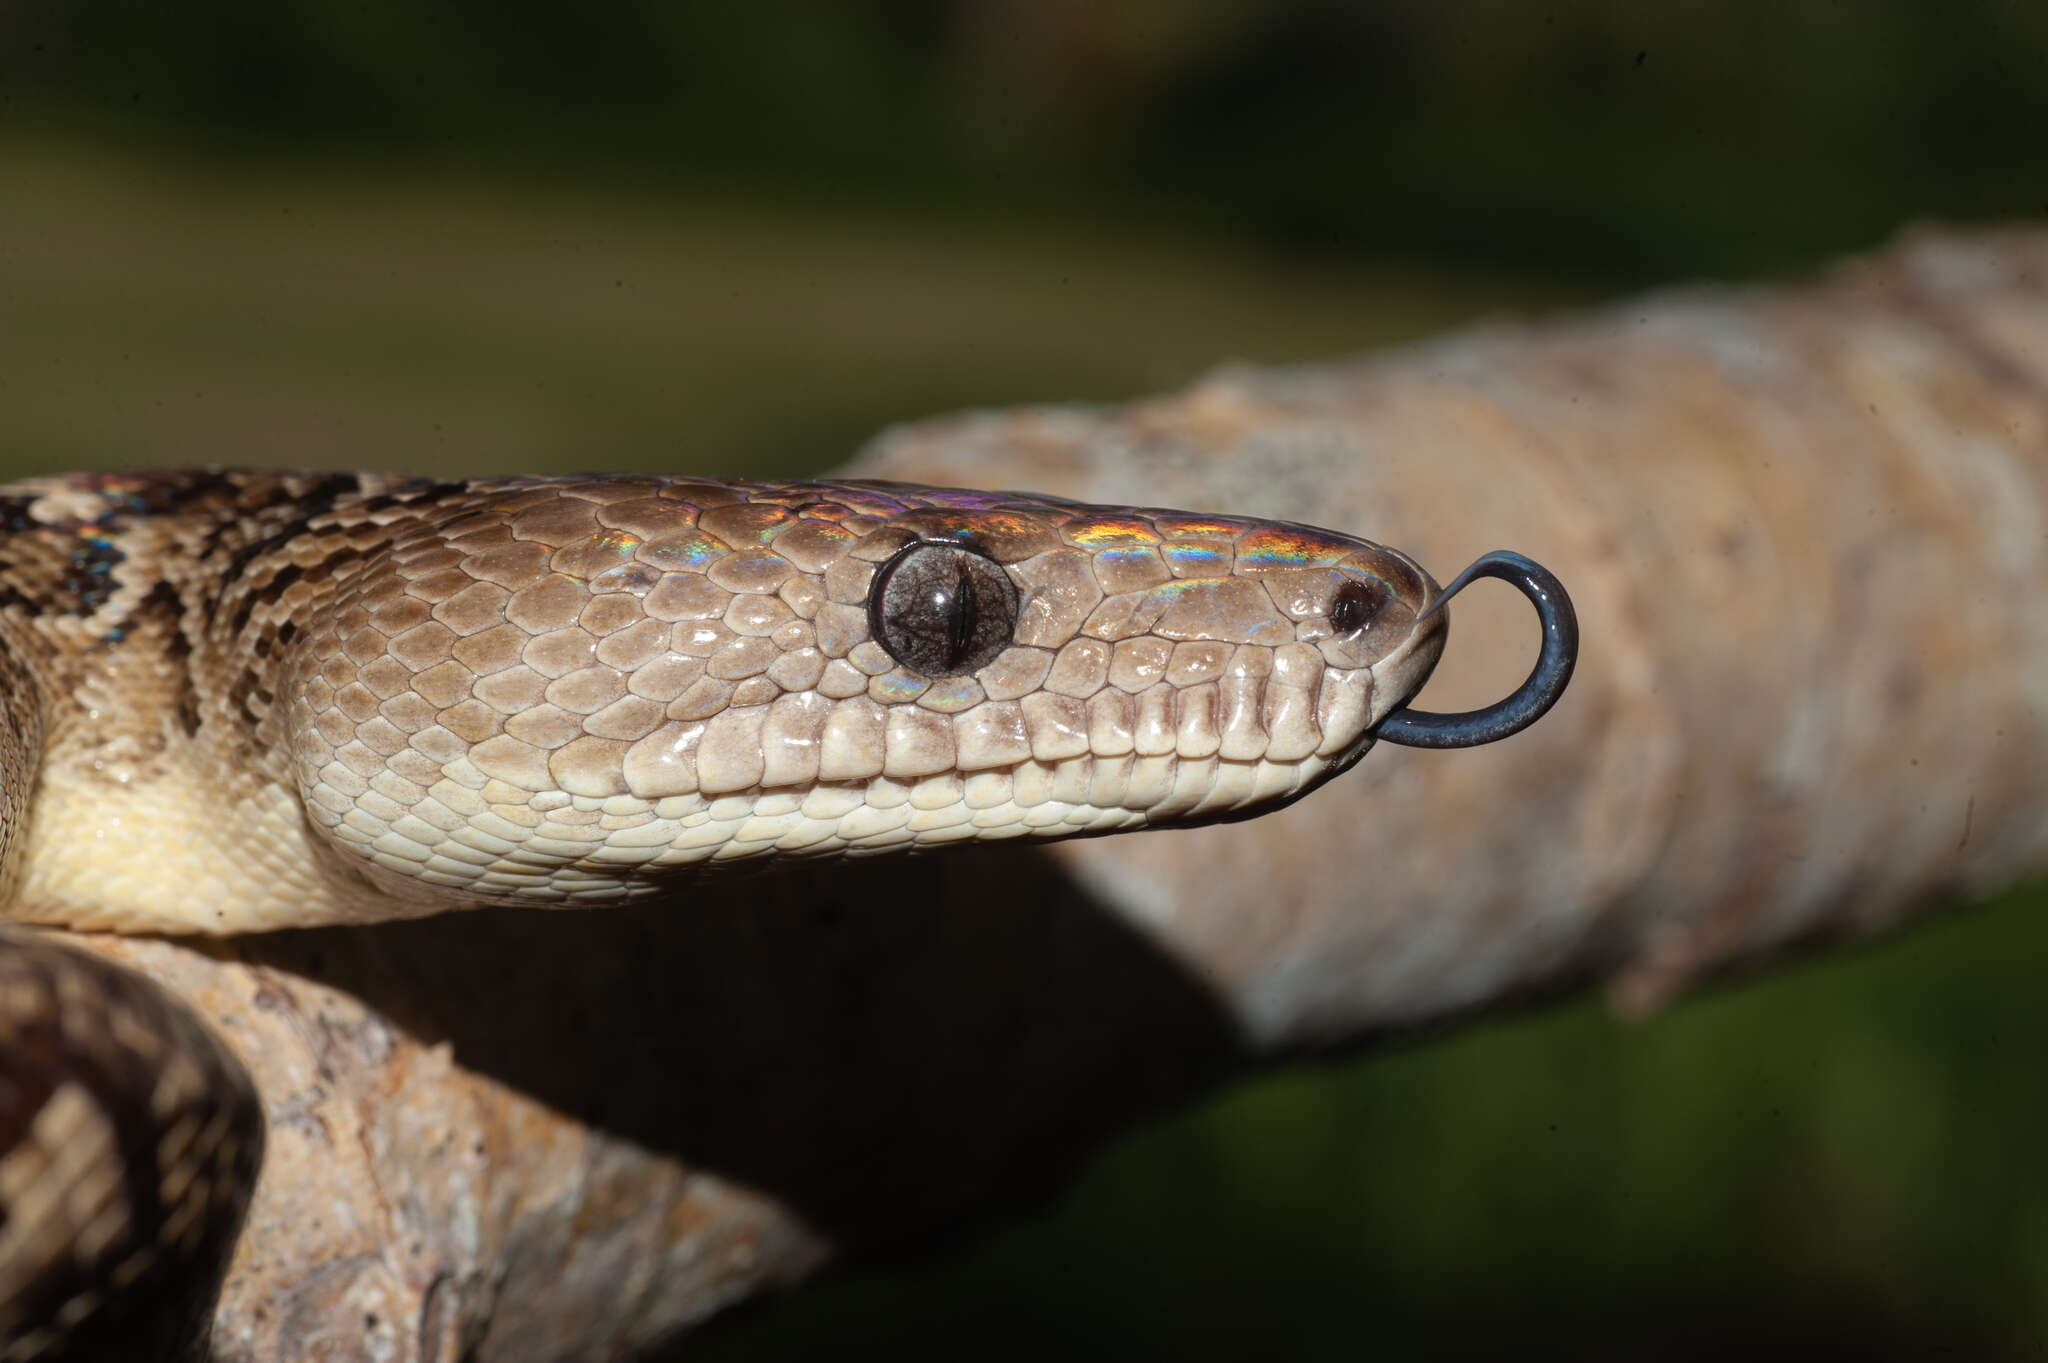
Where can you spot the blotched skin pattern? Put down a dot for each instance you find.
(235, 701)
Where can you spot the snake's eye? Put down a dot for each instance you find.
(1358, 604)
(941, 610)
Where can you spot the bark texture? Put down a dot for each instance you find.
(1807, 532)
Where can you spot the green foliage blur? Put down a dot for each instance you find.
(1597, 137)
(740, 238)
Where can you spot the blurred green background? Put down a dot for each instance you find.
(740, 238)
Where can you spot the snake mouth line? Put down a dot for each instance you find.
(751, 830)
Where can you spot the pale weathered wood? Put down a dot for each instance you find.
(1807, 529)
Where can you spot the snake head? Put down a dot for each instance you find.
(344, 697)
(576, 690)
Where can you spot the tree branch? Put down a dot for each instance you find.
(1805, 531)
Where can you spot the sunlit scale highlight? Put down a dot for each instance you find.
(1289, 547)
(1114, 559)
(1180, 525)
(963, 499)
(1189, 560)
(1112, 533)
(979, 521)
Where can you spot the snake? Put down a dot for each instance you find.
(241, 700)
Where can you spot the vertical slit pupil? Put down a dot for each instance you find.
(961, 615)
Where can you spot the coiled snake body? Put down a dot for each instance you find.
(232, 701)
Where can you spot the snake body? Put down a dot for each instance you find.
(235, 701)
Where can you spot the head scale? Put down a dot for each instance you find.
(566, 690)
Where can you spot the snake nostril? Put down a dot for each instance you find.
(1358, 604)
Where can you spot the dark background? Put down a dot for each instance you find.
(742, 237)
